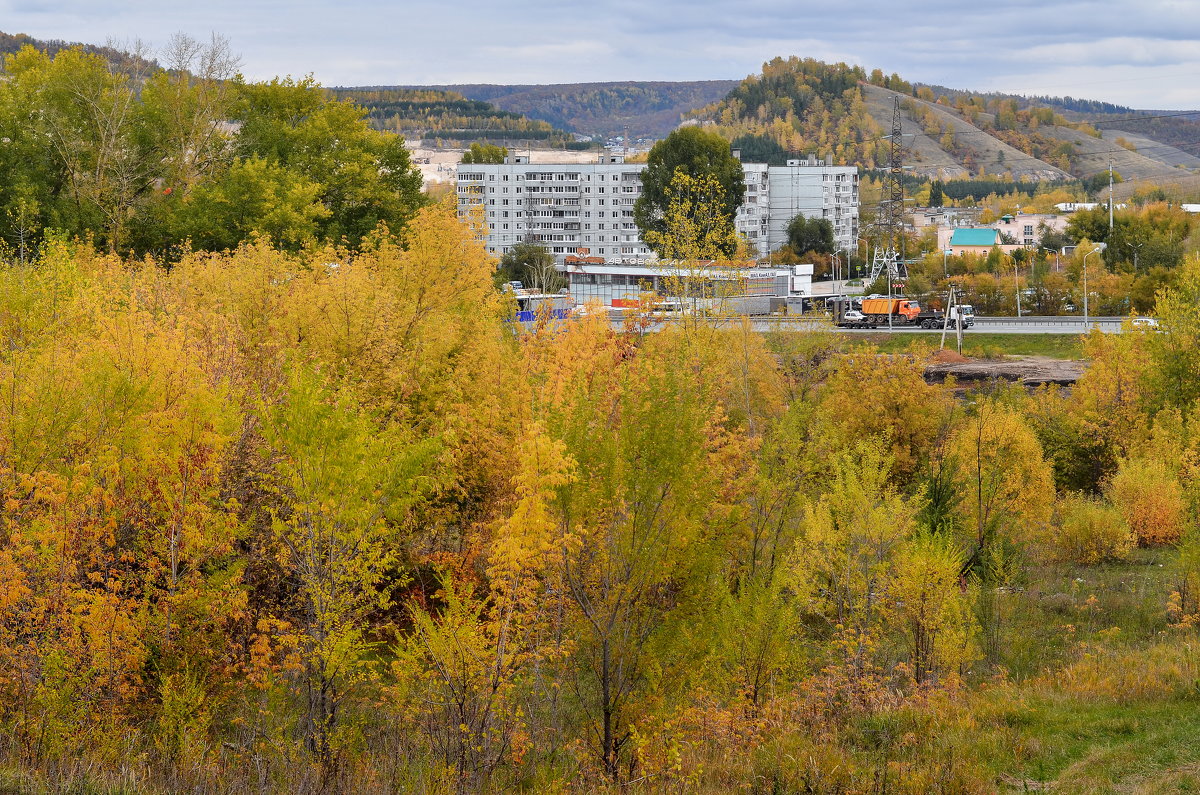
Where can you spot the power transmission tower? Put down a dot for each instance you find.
(891, 208)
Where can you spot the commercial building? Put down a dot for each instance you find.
(586, 209)
(734, 288)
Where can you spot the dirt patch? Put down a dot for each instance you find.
(947, 356)
(1029, 371)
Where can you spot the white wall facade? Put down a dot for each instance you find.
(572, 207)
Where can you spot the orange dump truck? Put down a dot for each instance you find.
(904, 310)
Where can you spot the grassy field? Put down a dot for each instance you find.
(1055, 346)
(1096, 693)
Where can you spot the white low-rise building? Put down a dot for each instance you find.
(725, 288)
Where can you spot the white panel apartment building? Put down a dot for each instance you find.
(567, 207)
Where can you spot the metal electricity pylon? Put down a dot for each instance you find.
(890, 221)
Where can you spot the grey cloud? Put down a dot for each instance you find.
(1020, 45)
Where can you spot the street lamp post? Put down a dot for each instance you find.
(1137, 247)
(1017, 286)
(863, 258)
(1055, 252)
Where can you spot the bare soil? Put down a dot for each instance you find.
(1029, 371)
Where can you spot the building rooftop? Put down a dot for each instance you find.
(975, 237)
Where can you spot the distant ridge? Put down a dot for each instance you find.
(648, 109)
(436, 115)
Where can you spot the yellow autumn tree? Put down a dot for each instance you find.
(468, 660)
(852, 535)
(931, 609)
(884, 399)
(1007, 486)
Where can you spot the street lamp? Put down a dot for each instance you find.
(1099, 247)
(1017, 286)
(1055, 252)
(1137, 247)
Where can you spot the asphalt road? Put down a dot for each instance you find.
(983, 325)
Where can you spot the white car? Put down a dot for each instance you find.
(852, 318)
(1145, 322)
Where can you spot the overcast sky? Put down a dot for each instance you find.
(1142, 53)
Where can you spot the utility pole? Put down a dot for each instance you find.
(1110, 194)
(1099, 247)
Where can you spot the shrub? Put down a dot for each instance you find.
(1090, 531)
(1150, 499)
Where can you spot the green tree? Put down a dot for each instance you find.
(348, 482)
(485, 153)
(698, 154)
(810, 234)
(1099, 181)
(80, 121)
(1175, 354)
(531, 264)
(365, 176)
(936, 198)
(760, 149)
(252, 197)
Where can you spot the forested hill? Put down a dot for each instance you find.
(11, 43)
(448, 116)
(807, 106)
(645, 109)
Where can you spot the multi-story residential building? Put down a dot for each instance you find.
(814, 189)
(565, 207)
(587, 208)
